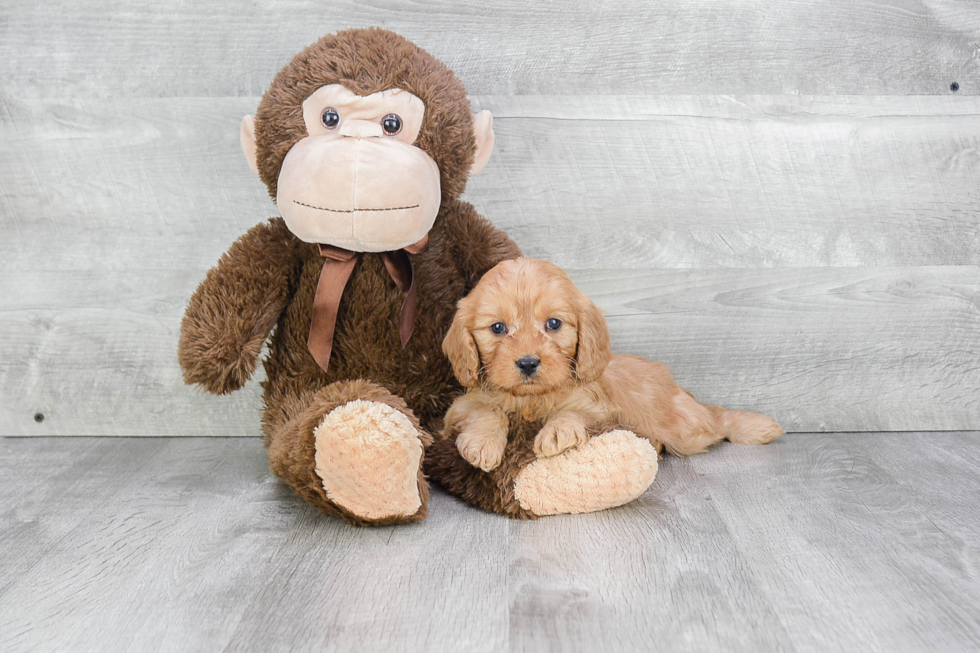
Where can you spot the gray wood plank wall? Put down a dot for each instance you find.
(778, 199)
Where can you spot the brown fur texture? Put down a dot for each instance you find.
(267, 280)
(230, 316)
(579, 390)
(366, 61)
(291, 445)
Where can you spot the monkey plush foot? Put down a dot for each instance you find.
(609, 470)
(368, 455)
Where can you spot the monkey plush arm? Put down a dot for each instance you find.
(477, 244)
(234, 309)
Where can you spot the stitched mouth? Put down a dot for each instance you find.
(393, 208)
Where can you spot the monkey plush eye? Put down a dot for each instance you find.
(330, 118)
(553, 324)
(499, 328)
(392, 124)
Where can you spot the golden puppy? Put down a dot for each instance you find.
(527, 342)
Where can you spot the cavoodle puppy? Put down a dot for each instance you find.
(527, 342)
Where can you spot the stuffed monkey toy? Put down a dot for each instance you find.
(364, 142)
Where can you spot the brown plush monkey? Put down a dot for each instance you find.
(365, 142)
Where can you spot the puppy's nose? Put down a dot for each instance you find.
(528, 365)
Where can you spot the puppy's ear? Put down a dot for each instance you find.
(593, 351)
(461, 350)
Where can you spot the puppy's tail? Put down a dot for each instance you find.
(743, 427)
(700, 426)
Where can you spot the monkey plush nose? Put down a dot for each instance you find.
(361, 129)
(528, 365)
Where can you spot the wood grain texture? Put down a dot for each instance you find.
(818, 349)
(838, 542)
(737, 182)
(814, 258)
(118, 48)
(668, 182)
(97, 352)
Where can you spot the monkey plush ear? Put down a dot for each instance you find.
(460, 349)
(483, 130)
(248, 142)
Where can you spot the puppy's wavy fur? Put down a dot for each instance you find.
(578, 383)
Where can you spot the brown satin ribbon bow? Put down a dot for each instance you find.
(338, 264)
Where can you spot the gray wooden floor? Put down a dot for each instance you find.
(818, 542)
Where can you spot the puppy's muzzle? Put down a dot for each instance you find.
(528, 365)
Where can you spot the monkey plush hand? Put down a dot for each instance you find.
(365, 143)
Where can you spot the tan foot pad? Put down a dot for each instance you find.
(368, 455)
(607, 471)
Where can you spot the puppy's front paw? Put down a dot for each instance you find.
(482, 447)
(559, 435)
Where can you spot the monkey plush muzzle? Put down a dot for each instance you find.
(365, 192)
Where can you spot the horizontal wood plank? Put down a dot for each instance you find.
(116, 48)
(737, 182)
(96, 354)
(667, 182)
(819, 349)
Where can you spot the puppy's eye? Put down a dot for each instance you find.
(499, 328)
(553, 324)
(330, 118)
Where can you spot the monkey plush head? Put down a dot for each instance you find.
(361, 138)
